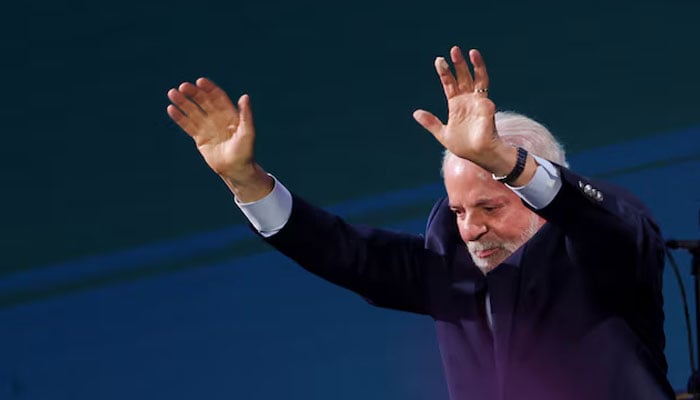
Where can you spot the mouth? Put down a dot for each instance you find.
(486, 253)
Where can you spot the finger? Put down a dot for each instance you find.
(449, 84)
(206, 84)
(216, 97)
(481, 76)
(180, 119)
(198, 96)
(246, 114)
(464, 77)
(430, 122)
(185, 105)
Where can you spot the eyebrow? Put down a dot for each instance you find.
(498, 200)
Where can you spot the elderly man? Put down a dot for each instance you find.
(542, 283)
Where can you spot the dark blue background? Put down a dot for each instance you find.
(125, 269)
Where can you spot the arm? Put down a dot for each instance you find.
(614, 239)
(224, 135)
(382, 266)
(608, 229)
(387, 268)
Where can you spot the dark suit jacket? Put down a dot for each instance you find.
(577, 310)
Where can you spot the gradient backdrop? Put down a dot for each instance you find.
(127, 272)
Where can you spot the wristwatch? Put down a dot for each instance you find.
(517, 169)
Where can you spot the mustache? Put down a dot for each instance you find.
(493, 241)
(484, 245)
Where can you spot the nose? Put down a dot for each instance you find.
(471, 228)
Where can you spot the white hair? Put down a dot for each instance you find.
(519, 130)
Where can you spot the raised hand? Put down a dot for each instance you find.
(224, 135)
(470, 131)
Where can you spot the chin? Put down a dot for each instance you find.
(489, 263)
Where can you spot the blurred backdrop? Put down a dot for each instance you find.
(127, 271)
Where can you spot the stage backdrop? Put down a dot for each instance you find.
(126, 270)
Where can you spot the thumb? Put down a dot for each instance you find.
(246, 113)
(430, 122)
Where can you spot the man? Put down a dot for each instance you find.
(542, 284)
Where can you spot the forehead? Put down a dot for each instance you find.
(468, 184)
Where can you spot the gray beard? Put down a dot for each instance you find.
(505, 248)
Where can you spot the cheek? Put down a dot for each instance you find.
(508, 226)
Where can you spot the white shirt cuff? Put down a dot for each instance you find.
(269, 214)
(543, 186)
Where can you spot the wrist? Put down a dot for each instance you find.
(527, 174)
(240, 174)
(249, 184)
(517, 170)
(501, 160)
(512, 166)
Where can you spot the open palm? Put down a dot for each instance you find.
(470, 131)
(224, 134)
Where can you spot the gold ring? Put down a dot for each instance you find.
(484, 90)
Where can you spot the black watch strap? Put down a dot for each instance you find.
(517, 169)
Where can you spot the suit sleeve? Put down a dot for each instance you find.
(386, 268)
(608, 231)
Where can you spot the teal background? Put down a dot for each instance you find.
(126, 270)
